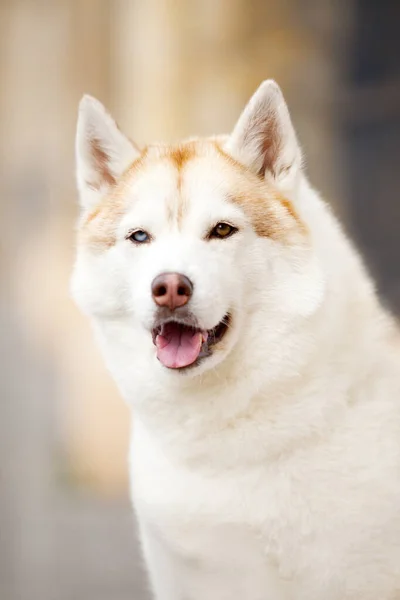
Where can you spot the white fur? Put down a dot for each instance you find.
(96, 125)
(271, 471)
(264, 138)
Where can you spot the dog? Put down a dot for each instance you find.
(242, 327)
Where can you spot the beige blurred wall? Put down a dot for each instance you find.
(166, 69)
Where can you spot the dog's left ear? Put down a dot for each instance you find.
(264, 138)
(103, 152)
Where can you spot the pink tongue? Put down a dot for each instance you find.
(178, 347)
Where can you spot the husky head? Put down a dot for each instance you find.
(194, 257)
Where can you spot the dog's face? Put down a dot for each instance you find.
(193, 246)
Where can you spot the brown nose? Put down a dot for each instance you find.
(172, 290)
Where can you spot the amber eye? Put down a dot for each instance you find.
(222, 230)
(139, 237)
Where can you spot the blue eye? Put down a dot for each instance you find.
(139, 237)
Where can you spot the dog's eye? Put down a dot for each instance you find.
(222, 230)
(139, 236)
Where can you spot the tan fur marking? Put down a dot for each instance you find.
(179, 155)
(264, 203)
(98, 230)
(271, 214)
(101, 160)
(290, 209)
(182, 204)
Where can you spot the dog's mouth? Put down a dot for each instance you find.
(181, 344)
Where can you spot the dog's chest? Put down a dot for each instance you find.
(216, 522)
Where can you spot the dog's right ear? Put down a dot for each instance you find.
(103, 153)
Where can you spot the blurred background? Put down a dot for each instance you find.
(165, 69)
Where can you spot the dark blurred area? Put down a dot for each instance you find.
(371, 134)
(165, 69)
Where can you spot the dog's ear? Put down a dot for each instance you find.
(103, 153)
(264, 138)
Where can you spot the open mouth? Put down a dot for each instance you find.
(181, 344)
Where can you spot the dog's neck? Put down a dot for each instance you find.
(193, 419)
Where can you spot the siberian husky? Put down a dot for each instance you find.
(264, 375)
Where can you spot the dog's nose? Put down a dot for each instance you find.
(172, 290)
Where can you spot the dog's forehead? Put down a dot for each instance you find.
(180, 186)
(169, 173)
(153, 183)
